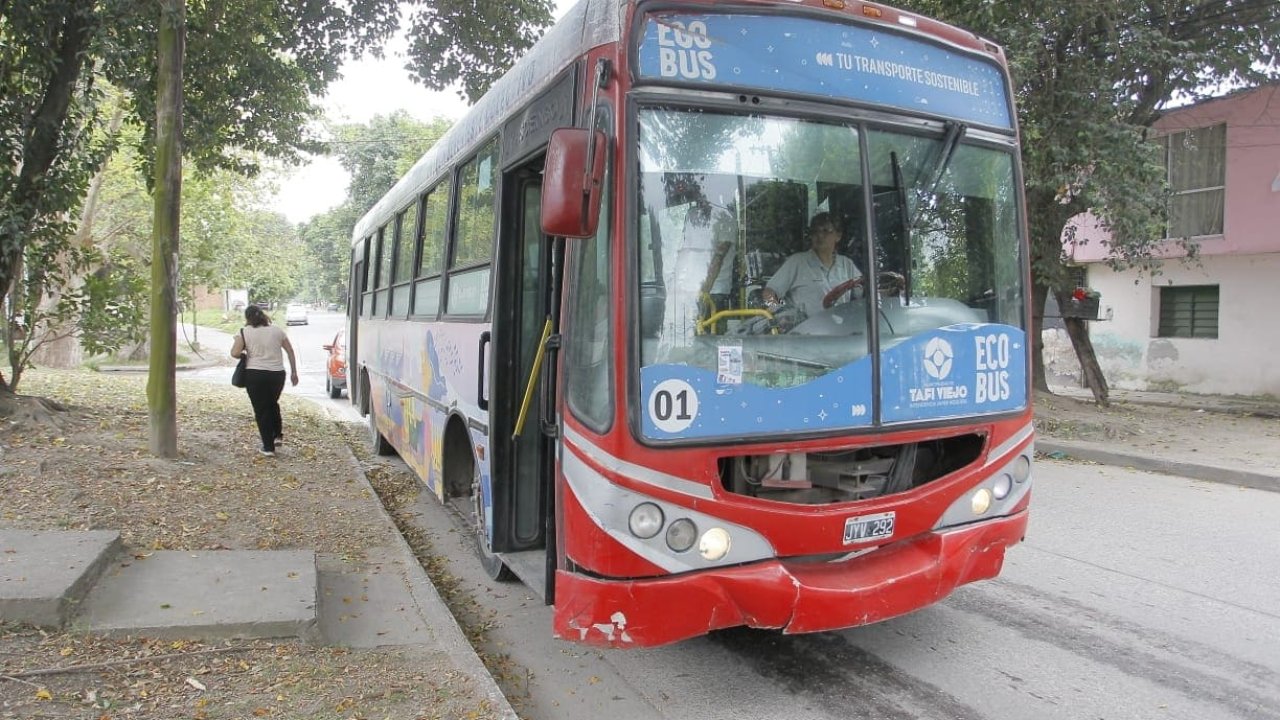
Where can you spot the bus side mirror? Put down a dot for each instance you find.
(572, 183)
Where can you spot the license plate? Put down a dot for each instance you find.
(866, 528)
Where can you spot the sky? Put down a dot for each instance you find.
(368, 87)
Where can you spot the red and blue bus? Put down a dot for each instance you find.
(715, 314)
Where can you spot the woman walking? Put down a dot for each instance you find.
(264, 373)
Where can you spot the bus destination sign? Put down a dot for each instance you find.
(816, 57)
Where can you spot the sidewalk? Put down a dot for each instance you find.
(1226, 439)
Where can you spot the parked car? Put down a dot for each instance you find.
(334, 307)
(335, 375)
(295, 315)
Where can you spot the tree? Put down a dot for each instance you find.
(253, 69)
(1089, 80)
(469, 42)
(162, 392)
(47, 123)
(376, 154)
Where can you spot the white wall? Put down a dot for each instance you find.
(1243, 360)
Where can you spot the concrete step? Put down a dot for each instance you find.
(206, 594)
(45, 574)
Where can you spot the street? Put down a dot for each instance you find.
(1134, 596)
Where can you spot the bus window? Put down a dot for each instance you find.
(407, 234)
(435, 226)
(383, 278)
(725, 200)
(473, 248)
(368, 261)
(589, 343)
(963, 226)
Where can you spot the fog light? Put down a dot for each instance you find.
(714, 544)
(645, 520)
(981, 501)
(681, 535)
(1003, 485)
(1022, 468)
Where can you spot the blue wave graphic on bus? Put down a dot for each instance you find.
(959, 371)
(816, 57)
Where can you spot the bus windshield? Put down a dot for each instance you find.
(738, 214)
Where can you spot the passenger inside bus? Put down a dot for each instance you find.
(709, 234)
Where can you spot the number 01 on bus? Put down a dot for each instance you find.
(715, 315)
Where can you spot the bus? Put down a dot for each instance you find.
(713, 314)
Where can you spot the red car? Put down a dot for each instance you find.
(335, 371)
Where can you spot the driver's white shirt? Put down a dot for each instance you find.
(803, 280)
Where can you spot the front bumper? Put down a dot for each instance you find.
(794, 596)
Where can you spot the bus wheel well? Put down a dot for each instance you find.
(459, 460)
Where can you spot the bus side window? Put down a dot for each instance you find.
(435, 226)
(589, 342)
(468, 292)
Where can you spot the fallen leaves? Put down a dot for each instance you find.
(101, 475)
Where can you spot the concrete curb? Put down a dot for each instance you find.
(434, 611)
(1208, 473)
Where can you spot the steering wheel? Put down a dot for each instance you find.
(889, 283)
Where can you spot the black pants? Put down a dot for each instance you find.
(264, 388)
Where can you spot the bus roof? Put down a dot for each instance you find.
(588, 24)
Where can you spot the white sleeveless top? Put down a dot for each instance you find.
(265, 345)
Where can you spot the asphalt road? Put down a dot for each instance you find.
(1135, 596)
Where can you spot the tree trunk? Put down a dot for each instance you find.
(1090, 370)
(1039, 378)
(62, 349)
(162, 396)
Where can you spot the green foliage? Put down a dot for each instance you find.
(472, 43)
(252, 70)
(115, 310)
(229, 240)
(1089, 80)
(377, 154)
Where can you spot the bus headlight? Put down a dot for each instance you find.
(1022, 468)
(981, 501)
(714, 544)
(681, 535)
(645, 520)
(1002, 486)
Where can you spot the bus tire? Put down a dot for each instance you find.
(377, 442)
(489, 561)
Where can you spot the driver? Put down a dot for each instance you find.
(807, 277)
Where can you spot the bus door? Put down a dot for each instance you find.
(523, 457)
(355, 304)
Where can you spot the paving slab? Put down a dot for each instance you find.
(370, 604)
(213, 594)
(45, 573)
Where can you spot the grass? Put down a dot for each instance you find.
(228, 321)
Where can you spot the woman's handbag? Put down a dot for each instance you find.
(237, 376)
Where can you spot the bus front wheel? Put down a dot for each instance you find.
(492, 564)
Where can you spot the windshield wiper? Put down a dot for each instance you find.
(950, 142)
(904, 219)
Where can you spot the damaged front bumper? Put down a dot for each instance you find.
(794, 596)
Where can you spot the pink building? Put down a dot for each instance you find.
(1211, 326)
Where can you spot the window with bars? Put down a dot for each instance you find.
(1189, 311)
(1196, 161)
